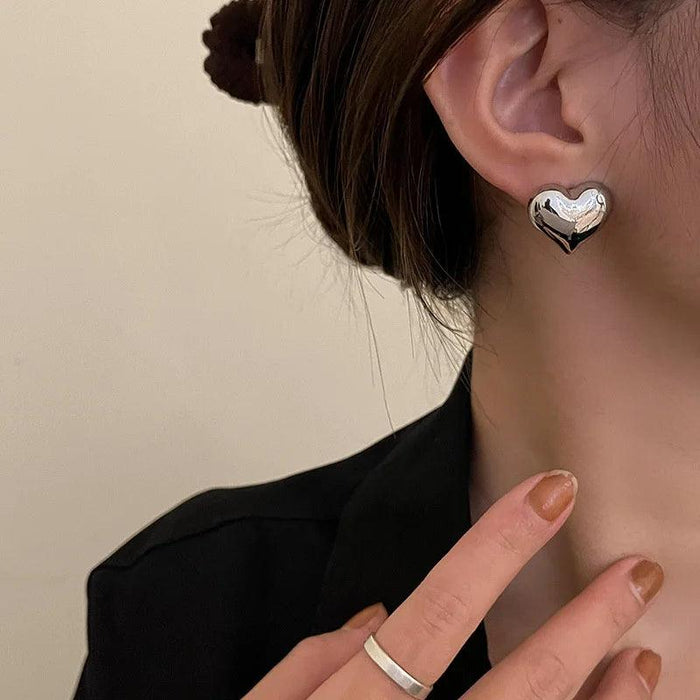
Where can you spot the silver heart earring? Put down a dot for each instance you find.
(569, 217)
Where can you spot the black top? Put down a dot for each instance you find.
(206, 599)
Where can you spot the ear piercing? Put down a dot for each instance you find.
(569, 217)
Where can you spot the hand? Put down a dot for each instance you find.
(425, 633)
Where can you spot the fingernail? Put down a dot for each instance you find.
(648, 665)
(550, 498)
(647, 579)
(363, 617)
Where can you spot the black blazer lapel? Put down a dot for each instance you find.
(405, 515)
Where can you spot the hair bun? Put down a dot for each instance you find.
(231, 41)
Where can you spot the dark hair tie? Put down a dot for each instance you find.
(232, 39)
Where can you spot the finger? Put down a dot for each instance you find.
(556, 660)
(632, 675)
(315, 658)
(425, 633)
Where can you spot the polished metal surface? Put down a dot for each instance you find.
(570, 217)
(403, 679)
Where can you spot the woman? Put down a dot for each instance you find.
(534, 162)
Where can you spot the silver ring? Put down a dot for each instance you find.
(401, 677)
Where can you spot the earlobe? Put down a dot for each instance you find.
(498, 95)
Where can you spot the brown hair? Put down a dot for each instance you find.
(346, 78)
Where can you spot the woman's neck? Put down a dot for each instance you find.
(579, 367)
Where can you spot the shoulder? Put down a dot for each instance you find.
(315, 495)
(204, 570)
(214, 591)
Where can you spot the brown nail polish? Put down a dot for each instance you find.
(647, 579)
(363, 617)
(648, 665)
(550, 498)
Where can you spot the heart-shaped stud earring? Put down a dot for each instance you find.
(569, 217)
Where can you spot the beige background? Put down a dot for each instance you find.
(165, 301)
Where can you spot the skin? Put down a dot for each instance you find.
(589, 362)
(427, 630)
(586, 362)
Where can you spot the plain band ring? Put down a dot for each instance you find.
(402, 678)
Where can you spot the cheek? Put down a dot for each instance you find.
(656, 250)
(675, 78)
(676, 173)
(668, 161)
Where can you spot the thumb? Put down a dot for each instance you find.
(316, 658)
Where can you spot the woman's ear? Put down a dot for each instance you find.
(528, 96)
